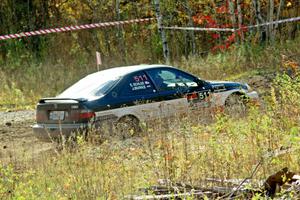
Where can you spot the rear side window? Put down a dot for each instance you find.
(90, 86)
(169, 79)
(137, 84)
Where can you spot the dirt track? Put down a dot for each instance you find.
(17, 141)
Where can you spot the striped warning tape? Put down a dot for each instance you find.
(116, 23)
(74, 28)
(199, 29)
(232, 29)
(275, 22)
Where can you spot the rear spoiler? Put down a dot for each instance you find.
(44, 100)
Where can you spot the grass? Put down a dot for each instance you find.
(187, 151)
(242, 60)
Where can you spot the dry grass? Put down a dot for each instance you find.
(187, 151)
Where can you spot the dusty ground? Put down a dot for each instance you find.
(17, 141)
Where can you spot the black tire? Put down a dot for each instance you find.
(127, 126)
(235, 105)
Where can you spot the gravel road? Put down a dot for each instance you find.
(18, 116)
(17, 141)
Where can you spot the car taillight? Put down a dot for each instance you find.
(40, 116)
(86, 114)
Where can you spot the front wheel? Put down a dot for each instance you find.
(235, 105)
(127, 127)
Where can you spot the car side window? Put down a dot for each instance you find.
(169, 79)
(137, 84)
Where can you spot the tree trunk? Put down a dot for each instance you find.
(240, 19)
(270, 19)
(162, 31)
(120, 35)
(294, 25)
(259, 19)
(108, 44)
(280, 6)
(190, 24)
(232, 13)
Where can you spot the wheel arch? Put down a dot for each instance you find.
(238, 93)
(128, 115)
(135, 125)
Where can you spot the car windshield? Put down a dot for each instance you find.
(93, 85)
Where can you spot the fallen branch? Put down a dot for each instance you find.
(170, 190)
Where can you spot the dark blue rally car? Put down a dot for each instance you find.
(130, 95)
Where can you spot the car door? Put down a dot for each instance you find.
(138, 96)
(177, 89)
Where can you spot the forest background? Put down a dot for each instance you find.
(38, 66)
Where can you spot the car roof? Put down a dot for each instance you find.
(121, 71)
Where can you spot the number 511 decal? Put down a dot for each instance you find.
(197, 96)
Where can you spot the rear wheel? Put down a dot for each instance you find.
(235, 105)
(127, 126)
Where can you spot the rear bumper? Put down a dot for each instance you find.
(50, 132)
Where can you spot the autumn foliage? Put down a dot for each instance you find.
(238, 18)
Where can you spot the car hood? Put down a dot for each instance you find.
(227, 85)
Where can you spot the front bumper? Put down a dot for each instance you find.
(253, 98)
(50, 132)
(252, 95)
